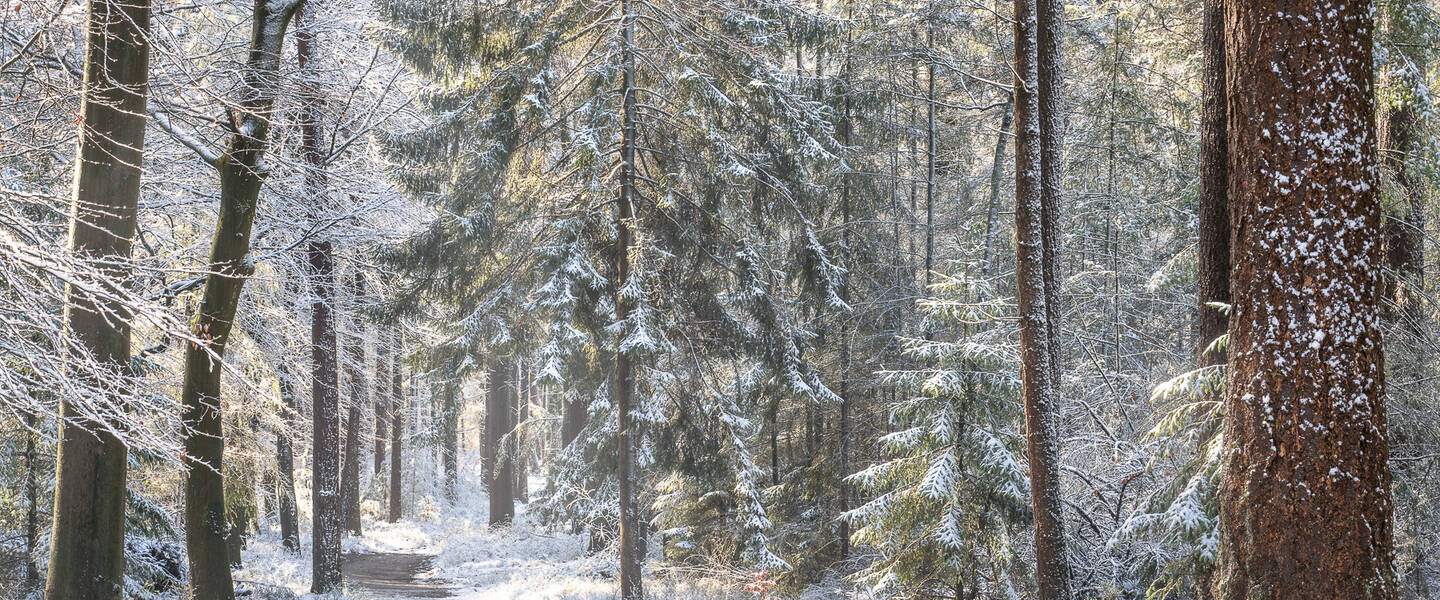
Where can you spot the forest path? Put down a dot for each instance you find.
(392, 575)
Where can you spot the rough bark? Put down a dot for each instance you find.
(518, 440)
(1401, 138)
(1213, 216)
(230, 265)
(87, 550)
(383, 362)
(1037, 191)
(498, 424)
(1213, 240)
(1305, 509)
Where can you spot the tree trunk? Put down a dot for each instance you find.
(1401, 141)
(32, 500)
(631, 586)
(498, 414)
(325, 451)
(1213, 239)
(450, 422)
(1213, 247)
(359, 396)
(229, 266)
(1036, 200)
(285, 463)
(519, 441)
(997, 169)
(1305, 509)
(577, 412)
(383, 362)
(397, 431)
(87, 549)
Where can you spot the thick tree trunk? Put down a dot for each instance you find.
(285, 463)
(577, 413)
(355, 366)
(498, 413)
(230, 264)
(87, 548)
(1036, 209)
(631, 585)
(1305, 509)
(397, 433)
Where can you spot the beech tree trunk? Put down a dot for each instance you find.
(1037, 190)
(1305, 509)
(229, 266)
(87, 548)
(498, 423)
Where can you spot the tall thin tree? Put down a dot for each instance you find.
(1037, 183)
(230, 264)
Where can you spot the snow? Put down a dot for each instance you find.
(525, 560)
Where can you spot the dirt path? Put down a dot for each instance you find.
(391, 575)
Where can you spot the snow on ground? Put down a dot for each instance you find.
(523, 561)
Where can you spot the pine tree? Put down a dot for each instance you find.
(1305, 499)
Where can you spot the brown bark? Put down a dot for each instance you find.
(450, 420)
(1213, 214)
(382, 404)
(87, 550)
(1305, 509)
(1037, 191)
(1213, 243)
(1401, 138)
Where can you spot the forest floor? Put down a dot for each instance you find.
(450, 551)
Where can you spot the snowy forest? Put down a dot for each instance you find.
(722, 299)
